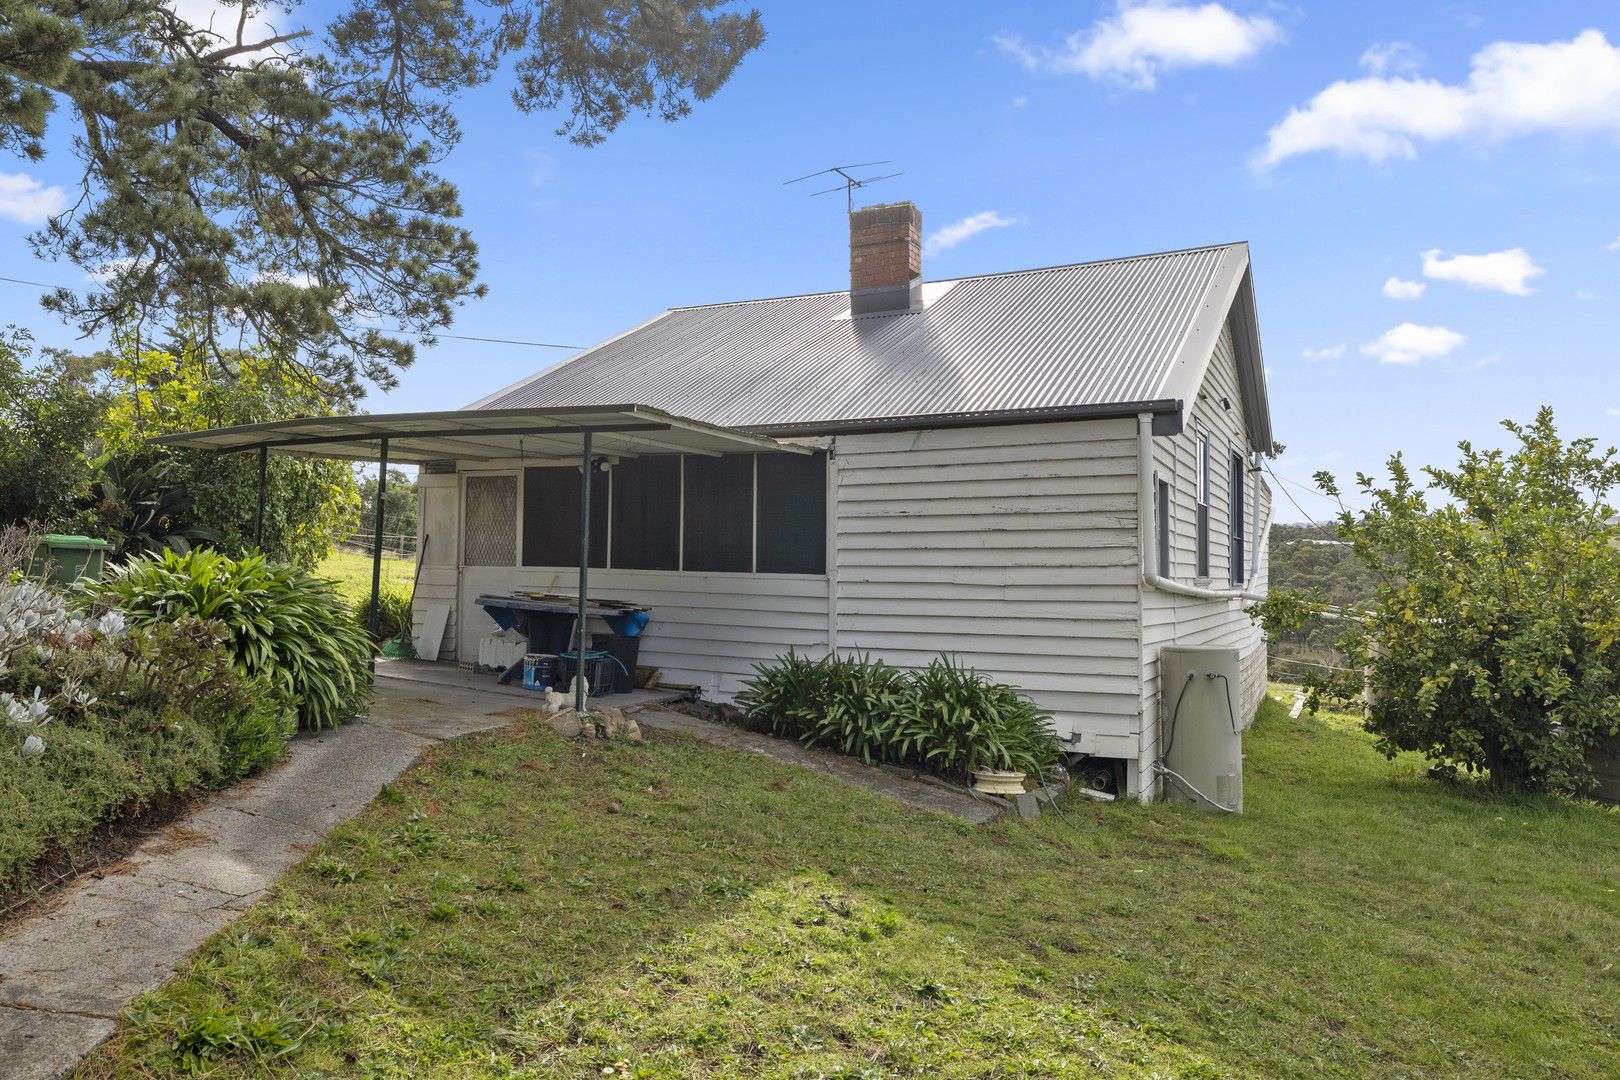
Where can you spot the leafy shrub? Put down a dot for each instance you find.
(141, 511)
(256, 738)
(1489, 639)
(306, 500)
(946, 718)
(785, 695)
(859, 700)
(285, 626)
(99, 721)
(393, 613)
(49, 412)
(959, 720)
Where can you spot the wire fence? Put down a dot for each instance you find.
(401, 545)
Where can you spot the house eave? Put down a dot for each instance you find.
(1167, 419)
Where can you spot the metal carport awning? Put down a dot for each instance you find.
(556, 435)
(482, 435)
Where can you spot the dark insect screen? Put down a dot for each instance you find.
(720, 513)
(793, 513)
(551, 517)
(647, 513)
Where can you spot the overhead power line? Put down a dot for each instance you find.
(502, 341)
(1282, 486)
(22, 281)
(396, 330)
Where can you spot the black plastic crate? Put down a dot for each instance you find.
(600, 672)
(626, 651)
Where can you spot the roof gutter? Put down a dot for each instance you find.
(1150, 535)
(1165, 416)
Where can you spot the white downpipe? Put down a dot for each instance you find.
(1150, 535)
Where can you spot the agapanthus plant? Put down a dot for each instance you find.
(36, 618)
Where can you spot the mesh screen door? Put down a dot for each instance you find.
(490, 531)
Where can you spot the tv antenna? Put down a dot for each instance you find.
(850, 180)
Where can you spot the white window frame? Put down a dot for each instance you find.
(1201, 464)
(1237, 516)
(1201, 498)
(1163, 492)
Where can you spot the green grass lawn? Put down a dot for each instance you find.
(523, 905)
(353, 574)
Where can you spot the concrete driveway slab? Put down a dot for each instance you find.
(46, 1044)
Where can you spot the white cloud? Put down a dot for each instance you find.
(1614, 245)
(1013, 46)
(1391, 57)
(1020, 101)
(1400, 289)
(109, 269)
(1513, 88)
(302, 279)
(540, 167)
(1475, 365)
(957, 231)
(1326, 352)
(1409, 343)
(26, 200)
(1502, 271)
(1585, 294)
(1614, 411)
(1147, 37)
(220, 19)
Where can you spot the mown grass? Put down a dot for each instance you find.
(352, 572)
(523, 905)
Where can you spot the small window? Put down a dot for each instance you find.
(1201, 463)
(1239, 472)
(1161, 525)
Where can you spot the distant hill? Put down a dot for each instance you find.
(1312, 559)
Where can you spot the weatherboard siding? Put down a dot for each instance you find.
(706, 629)
(1168, 619)
(1012, 548)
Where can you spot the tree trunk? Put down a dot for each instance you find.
(1507, 775)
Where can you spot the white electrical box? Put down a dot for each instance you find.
(1201, 727)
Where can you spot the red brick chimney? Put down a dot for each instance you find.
(885, 259)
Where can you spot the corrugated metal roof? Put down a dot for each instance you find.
(1091, 334)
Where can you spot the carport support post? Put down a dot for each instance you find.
(584, 570)
(258, 510)
(377, 535)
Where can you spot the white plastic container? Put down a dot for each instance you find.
(502, 649)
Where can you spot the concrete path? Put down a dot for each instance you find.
(68, 971)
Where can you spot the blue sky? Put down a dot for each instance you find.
(1350, 144)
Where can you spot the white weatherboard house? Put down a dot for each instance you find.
(1051, 474)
